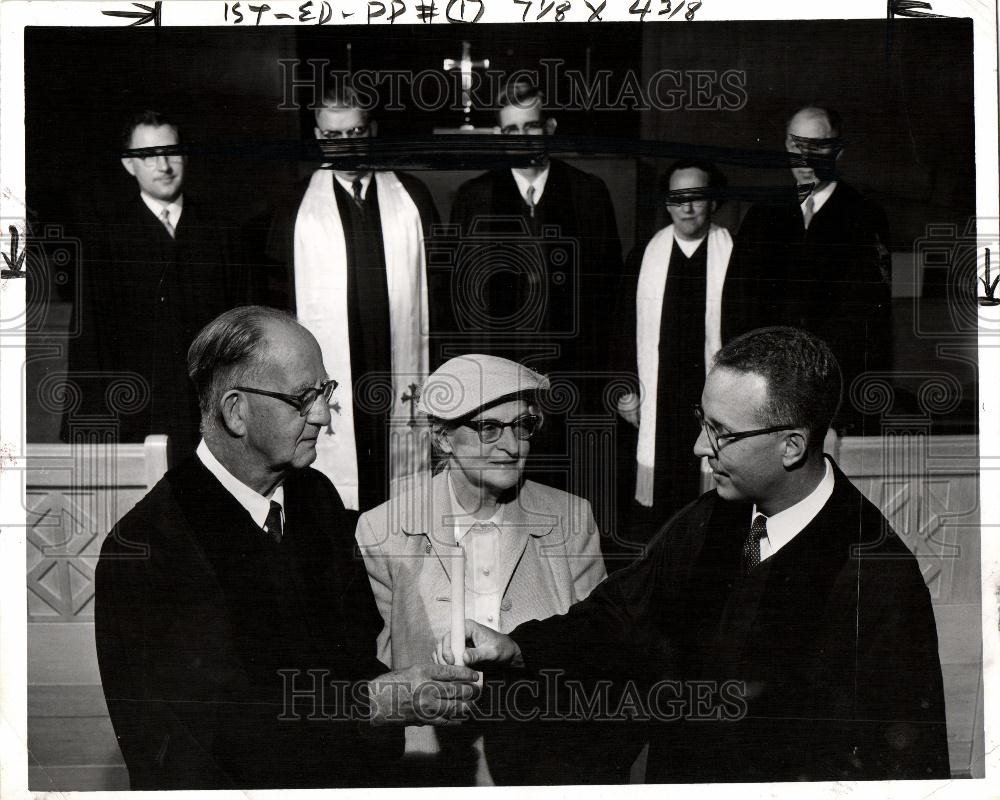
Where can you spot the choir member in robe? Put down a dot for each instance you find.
(820, 262)
(671, 310)
(156, 267)
(355, 240)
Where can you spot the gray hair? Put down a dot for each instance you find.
(227, 351)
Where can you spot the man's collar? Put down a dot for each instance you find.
(256, 505)
(157, 206)
(365, 179)
(786, 525)
(687, 246)
(538, 181)
(820, 197)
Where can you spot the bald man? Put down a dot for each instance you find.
(821, 263)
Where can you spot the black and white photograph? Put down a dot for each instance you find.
(413, 394)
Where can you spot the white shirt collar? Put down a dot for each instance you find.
(256, 505)
(688, 247)
(174, 209)
(819, 198)
(786, 525)
(538, 182)
(365, 179)
(464, 521)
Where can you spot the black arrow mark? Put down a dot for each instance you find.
(910, 8)
(15, 262)
(144, 17)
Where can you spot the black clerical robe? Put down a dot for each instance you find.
(205, 626)
(369, 329)
(832, 279)
(535, 286)
(681, 377)
(822, 664)
(143, 297)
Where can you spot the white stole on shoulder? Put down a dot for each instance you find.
(321, 303)
(649, 307)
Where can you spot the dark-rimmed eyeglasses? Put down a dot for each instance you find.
(351, 133)
(302, 403)
(719, 440)
(490, 430)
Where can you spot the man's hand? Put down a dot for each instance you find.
(628, 407)
(488, 647)
(425, 694)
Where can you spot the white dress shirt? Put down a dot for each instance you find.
(538, 182)
(480, 539)
(819, 198)
(174, 209)
(366, 181)
(786, 525)
(257, 505)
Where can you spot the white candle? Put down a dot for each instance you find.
(458, 607)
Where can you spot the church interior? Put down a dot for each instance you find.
(905, 93)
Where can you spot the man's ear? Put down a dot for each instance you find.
(550, 126)
(796, 447)
(233, 411)
(317, 132)
(129, 166)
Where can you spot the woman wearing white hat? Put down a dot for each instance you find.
(531, 551)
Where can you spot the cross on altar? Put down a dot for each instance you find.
(465, 65)
(411, 398)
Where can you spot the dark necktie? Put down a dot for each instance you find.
(529, 198)
(751, 547)
(359, 199)
(273, 522)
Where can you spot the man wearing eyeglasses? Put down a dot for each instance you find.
(795, 620)
(540, 259)
(549, 313)
(354, 243)
(157, 266)
(820, 261)
(531, 551)
(236, 630)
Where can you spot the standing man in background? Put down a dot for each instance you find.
(156, 268)
(821, 263)
(549, 261)
(355, 243)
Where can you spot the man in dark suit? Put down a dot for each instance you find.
(539, 262)
(156, 267)
(236, 629)
(537, 300)
(822, 262)
(777, 628)
(354, 244)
